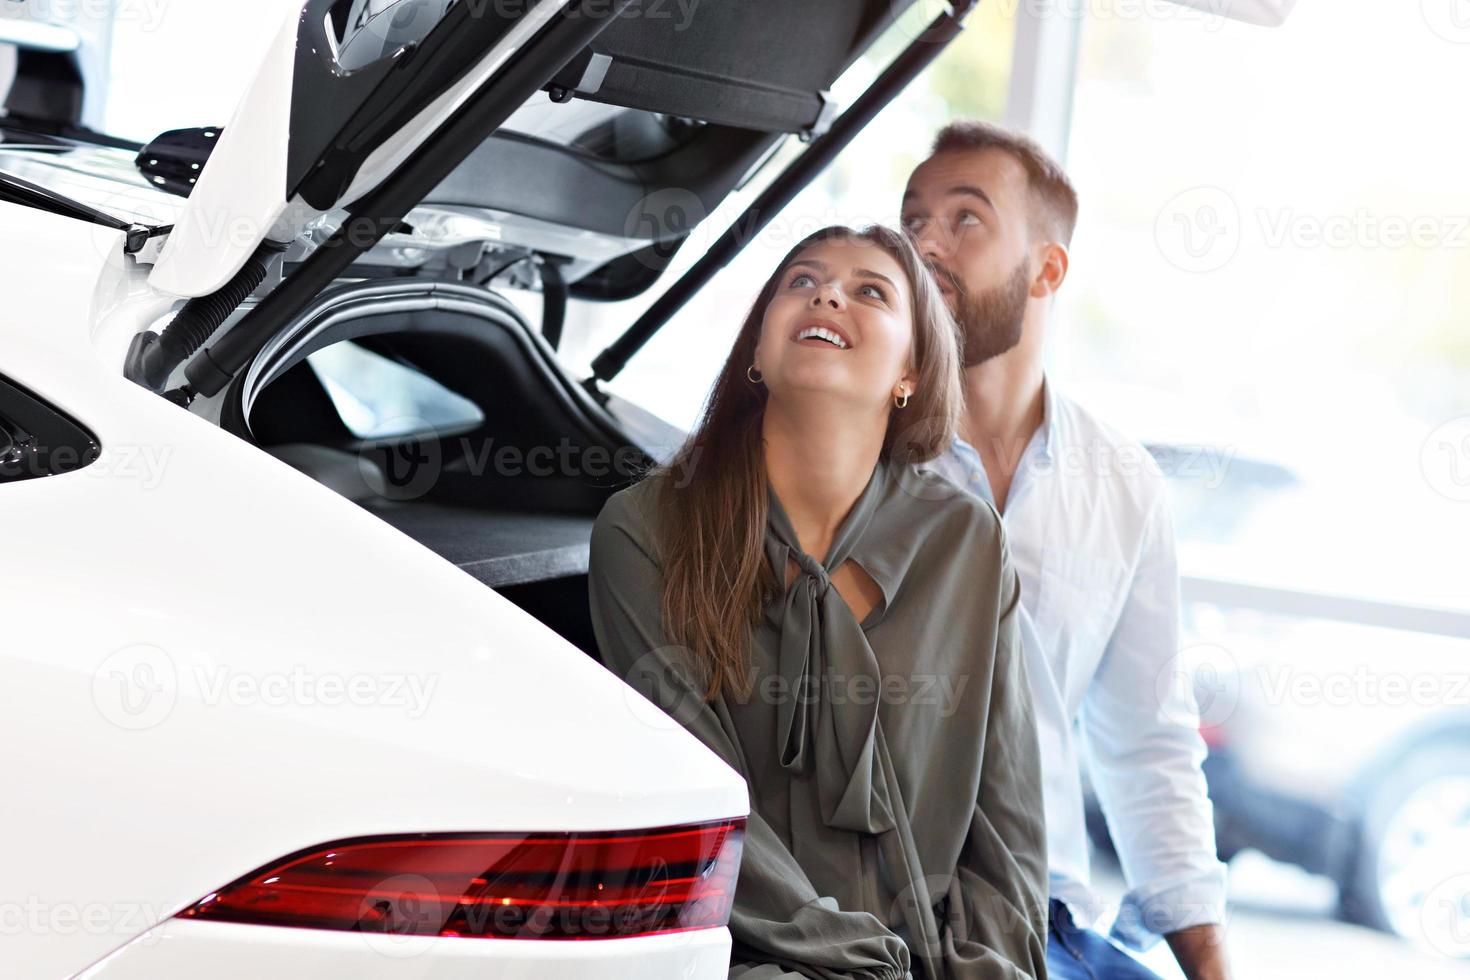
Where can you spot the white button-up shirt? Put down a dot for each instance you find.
(1091, 535)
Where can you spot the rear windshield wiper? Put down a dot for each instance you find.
(23, 192)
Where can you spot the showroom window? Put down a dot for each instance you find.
(1248, 283)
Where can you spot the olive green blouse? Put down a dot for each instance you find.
(895, 790)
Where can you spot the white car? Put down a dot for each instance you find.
(259, 719)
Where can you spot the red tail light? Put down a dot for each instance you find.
(497, 886)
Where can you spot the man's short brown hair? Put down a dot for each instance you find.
(1054, 199)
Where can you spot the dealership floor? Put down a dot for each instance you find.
(1282, 926)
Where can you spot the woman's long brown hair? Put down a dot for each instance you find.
(716, 579)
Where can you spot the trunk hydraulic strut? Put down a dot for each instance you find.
(904, 69)
(135, 235)
(380, 211)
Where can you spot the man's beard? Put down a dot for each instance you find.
(990, 323)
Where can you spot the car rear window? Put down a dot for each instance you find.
(379, 398)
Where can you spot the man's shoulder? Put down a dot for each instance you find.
(1122, 465)
(1084, 423)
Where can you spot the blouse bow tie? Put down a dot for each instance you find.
(821, 647)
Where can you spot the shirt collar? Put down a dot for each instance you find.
(1049, 420)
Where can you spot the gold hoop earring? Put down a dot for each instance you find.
(757, 378)
(902, 404)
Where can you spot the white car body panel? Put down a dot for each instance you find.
(241, 194)
(159, 601)
(223, 951)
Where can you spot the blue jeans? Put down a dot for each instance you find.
(1074, 953)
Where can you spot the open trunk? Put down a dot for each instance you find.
(481, 448)
(498, 460)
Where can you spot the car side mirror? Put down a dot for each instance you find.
(1267, 13)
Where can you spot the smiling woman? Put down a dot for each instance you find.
(788, 565)
(779, 390)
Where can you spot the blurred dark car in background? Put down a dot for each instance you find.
(1338, 729)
